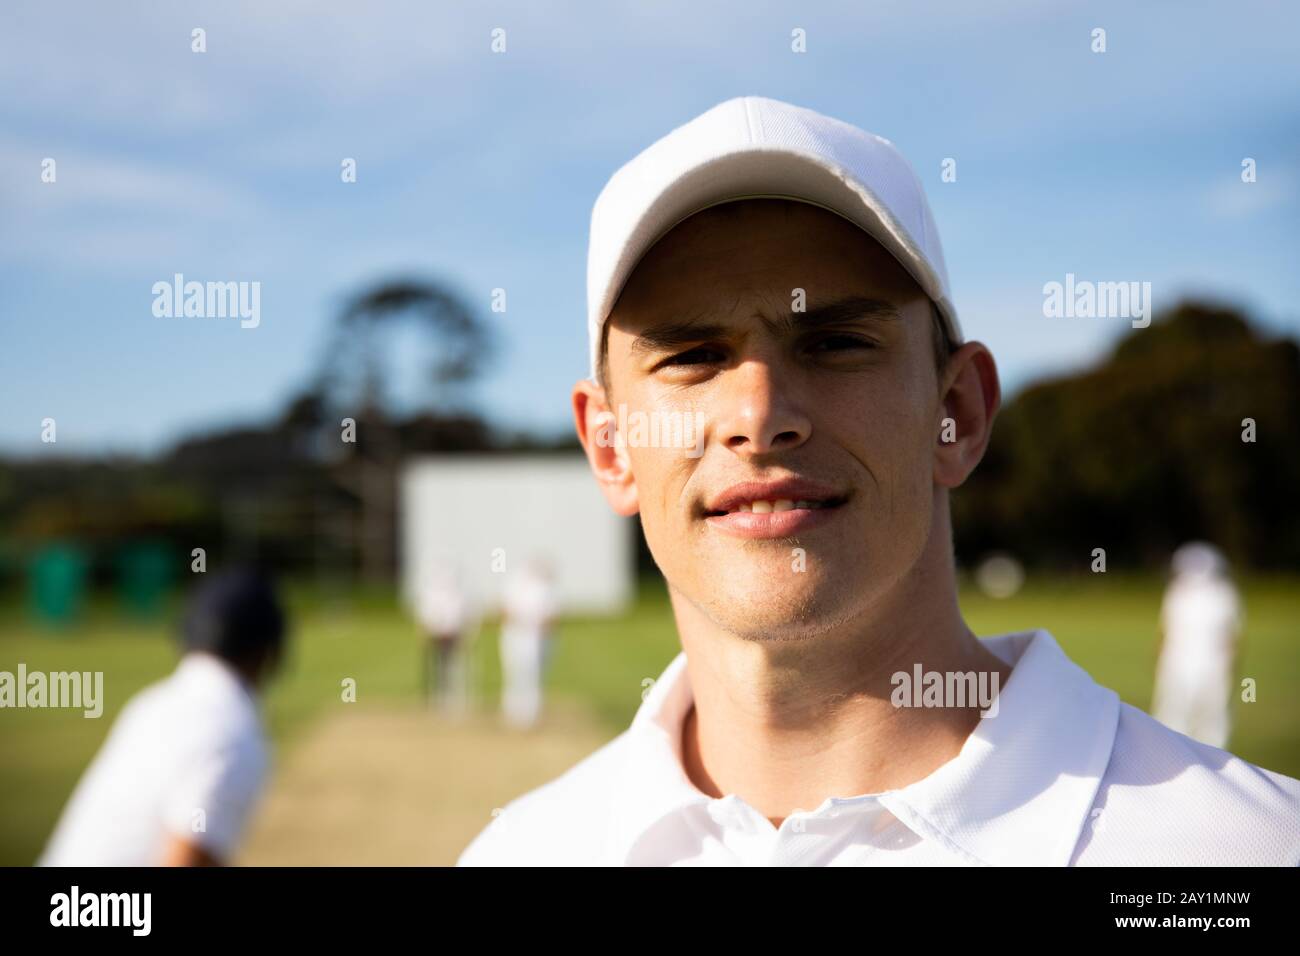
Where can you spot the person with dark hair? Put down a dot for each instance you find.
(184, 763)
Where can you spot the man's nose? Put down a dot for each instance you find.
(757, 414)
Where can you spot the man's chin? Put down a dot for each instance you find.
(781, 629)
(769, 609)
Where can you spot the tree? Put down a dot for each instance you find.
(1145, 452)
(378, 334)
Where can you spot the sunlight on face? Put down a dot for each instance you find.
(833, 410)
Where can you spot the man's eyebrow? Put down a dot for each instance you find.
(847, 309)
(669, 335)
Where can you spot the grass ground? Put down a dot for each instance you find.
(436, 783)
(431, 785)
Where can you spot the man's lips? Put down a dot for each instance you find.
(792, 491)
(773, 509)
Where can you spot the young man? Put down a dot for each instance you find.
(181, 770)
(776, 275)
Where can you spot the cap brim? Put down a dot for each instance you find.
(765, 173)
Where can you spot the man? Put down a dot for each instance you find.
(183, 764)
(525, 639)
(443, 614)
(1200, 622)
(779, 273)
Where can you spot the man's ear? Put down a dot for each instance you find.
(598, 431)
(970, 399)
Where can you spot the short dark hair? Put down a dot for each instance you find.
(944, 345)
(236, 616)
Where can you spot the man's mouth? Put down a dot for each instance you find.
(780, 504)
(772, 509)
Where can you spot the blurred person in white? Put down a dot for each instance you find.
(185, 761)
(530, 609)
(1200, 623)
(443, 613)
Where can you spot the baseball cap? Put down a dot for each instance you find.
(752, 147)
(234, 614)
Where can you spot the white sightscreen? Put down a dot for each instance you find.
(458, 510)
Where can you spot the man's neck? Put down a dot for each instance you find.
(785, 725)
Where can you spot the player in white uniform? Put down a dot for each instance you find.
(525, 636)
(1200, 620)
(443, 613)
(183, 765)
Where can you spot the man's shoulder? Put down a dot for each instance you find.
(1168, 799)
(561, 823)
(215, 728)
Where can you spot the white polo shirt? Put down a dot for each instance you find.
(186, 757)
(1064, 774)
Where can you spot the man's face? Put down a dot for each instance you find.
(827, 412)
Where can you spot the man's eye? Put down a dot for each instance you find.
(696, 356)
(840, 343)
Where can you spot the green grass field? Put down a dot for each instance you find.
(1106, 624)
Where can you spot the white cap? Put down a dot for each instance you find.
(753, 147)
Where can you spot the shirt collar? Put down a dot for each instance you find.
(208, 670)
(1018, 793)
(653, 782)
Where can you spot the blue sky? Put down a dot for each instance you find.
(481, 168)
